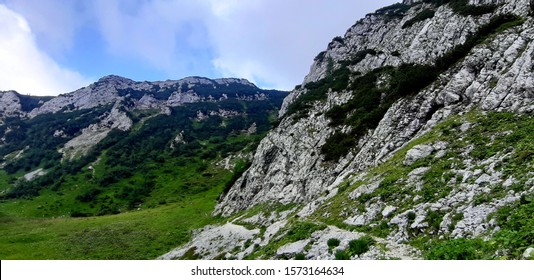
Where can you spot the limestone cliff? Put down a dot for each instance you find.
(402, 131)
(495, 75)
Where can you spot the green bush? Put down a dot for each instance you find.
(300, 256)
(342, 255)
(394, 11)
(411, 216)
(361, 245)
(240, 167)
(461, 7)
(337, 146)
(332, 242)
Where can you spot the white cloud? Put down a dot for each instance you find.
(273, 42)
(54, 23)
(162, 33)
(24, 67)
(270, 42)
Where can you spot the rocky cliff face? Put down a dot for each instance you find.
(434, 68)
(495, 75)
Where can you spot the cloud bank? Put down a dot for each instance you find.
(270, 42)
(24, 67)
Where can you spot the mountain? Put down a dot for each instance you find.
(120, 150)
(411, 137)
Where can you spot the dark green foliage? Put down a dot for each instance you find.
(461, 7)
(421, 16)
(191, 254)
(411, 216)
(394, 11)
(434, 219)
(300, 256)
(338, 39)
(360, 246)
(332, 242)
(517, 226)
(395, 53)
(342, 255)
(337, 146)
(29, 103)
(239, 168)
(320, 56)
(317, 91)
(358, 57)
(128, 157)
(35, 136)
(459, 249)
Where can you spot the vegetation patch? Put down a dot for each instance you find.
(392, 12)
(355, 247)
(421, 16)
(302, 230)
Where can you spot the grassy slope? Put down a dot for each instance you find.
(143, 234)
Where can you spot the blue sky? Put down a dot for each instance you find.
(49, 47)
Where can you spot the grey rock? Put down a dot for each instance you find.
(529, 253)
(416, 153)
(292, 249)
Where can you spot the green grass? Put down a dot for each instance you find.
(144, 234)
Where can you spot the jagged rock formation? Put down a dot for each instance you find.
(479, 56)
(12, 104)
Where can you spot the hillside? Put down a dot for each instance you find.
(409, 138)
(117, 152)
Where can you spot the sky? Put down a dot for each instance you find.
(50, 47)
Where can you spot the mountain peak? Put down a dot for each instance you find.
(115, 78)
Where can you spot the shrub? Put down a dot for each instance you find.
(461, 7)
(342, 255)
(337, 146)
(393, 11)
(332, 242)
(300, 256)
(360, 245)
(239, 168)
